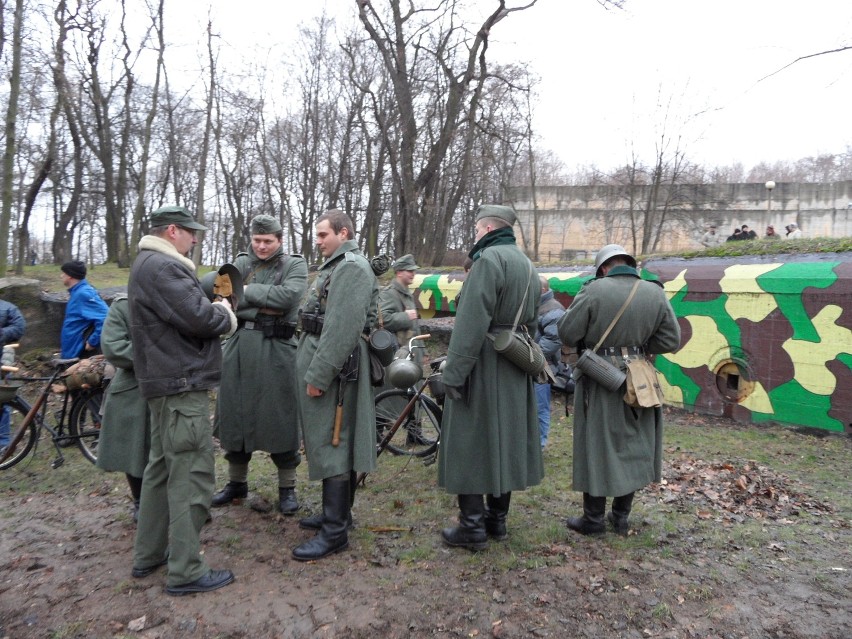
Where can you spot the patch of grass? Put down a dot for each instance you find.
(662, 611)
(73, 629)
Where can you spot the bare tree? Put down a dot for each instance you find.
(410, 42)
(10, 131)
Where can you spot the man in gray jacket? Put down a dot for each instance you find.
(177, 358)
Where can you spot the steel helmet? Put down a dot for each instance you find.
(610, 251)
(207, 284)
(403, 373)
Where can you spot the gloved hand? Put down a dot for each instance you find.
(8, 358)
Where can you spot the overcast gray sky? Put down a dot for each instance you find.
(607, 75)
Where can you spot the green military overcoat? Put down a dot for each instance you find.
(349, 307)
(490, 442)
(126, 428)
(394, 300)
(617, 449)
(257, 397)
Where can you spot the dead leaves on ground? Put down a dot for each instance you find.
(732, 490)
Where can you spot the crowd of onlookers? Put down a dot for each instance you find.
(743, 233)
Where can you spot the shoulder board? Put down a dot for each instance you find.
(242, 253)
(297, 255)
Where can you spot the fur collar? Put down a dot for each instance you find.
(154, 243)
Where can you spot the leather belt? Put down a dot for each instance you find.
(621, 351)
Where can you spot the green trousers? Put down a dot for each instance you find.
(177, 486)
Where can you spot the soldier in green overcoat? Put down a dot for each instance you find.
(333, 367)
(258, 391)
(489, 440)
(617, 448)
(398, 310)
(125, 438)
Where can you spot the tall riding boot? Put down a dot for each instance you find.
(332, 536)
(592, 521)
(135, 484)
(495, 516)
(314, 522)
(470, 533)
(287, 502)
(621, 507)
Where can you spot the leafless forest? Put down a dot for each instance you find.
(395, 113)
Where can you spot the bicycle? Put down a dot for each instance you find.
(408, 422)
(27, 421)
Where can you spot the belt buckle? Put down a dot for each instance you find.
(249, 326)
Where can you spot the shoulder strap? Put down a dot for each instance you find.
(523, 302)
(619, 314)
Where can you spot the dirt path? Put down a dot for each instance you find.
(692, 569)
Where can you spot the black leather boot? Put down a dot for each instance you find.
(495, 516)
(332, 536)
(621, 507)
(470, 533)
(232, 490)
(135, 484)
(287, 502)
(592, 521)
(314, 522)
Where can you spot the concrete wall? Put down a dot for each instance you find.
(581, 219)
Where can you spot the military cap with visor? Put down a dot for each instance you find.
(265, 225)
(405, 263)
(177, 215)
(505, 213)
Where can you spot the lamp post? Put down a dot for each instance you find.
(769, 186)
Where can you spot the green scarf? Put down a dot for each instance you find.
(496, 237)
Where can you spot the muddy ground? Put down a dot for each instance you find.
(726, 548)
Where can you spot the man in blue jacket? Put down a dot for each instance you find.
(84, 314)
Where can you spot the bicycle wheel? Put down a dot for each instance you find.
(418, 435)
(85, 421)
(18, 410)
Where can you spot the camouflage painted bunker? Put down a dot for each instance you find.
(765, 338)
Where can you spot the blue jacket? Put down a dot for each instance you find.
(85, 310)
(12, 323)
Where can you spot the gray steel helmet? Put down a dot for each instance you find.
(403, 373)
(207, 281)
(611, 250)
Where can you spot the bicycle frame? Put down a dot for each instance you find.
(415, 397)
(38, 406)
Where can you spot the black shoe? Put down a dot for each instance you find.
(140, 573)
(233, 490)
(213, 580)
(287, 502)
(135, 513)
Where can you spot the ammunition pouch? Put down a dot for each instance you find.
(312, 323)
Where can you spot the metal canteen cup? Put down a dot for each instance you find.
(522, 353)
(383, 345)
(600, 370)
